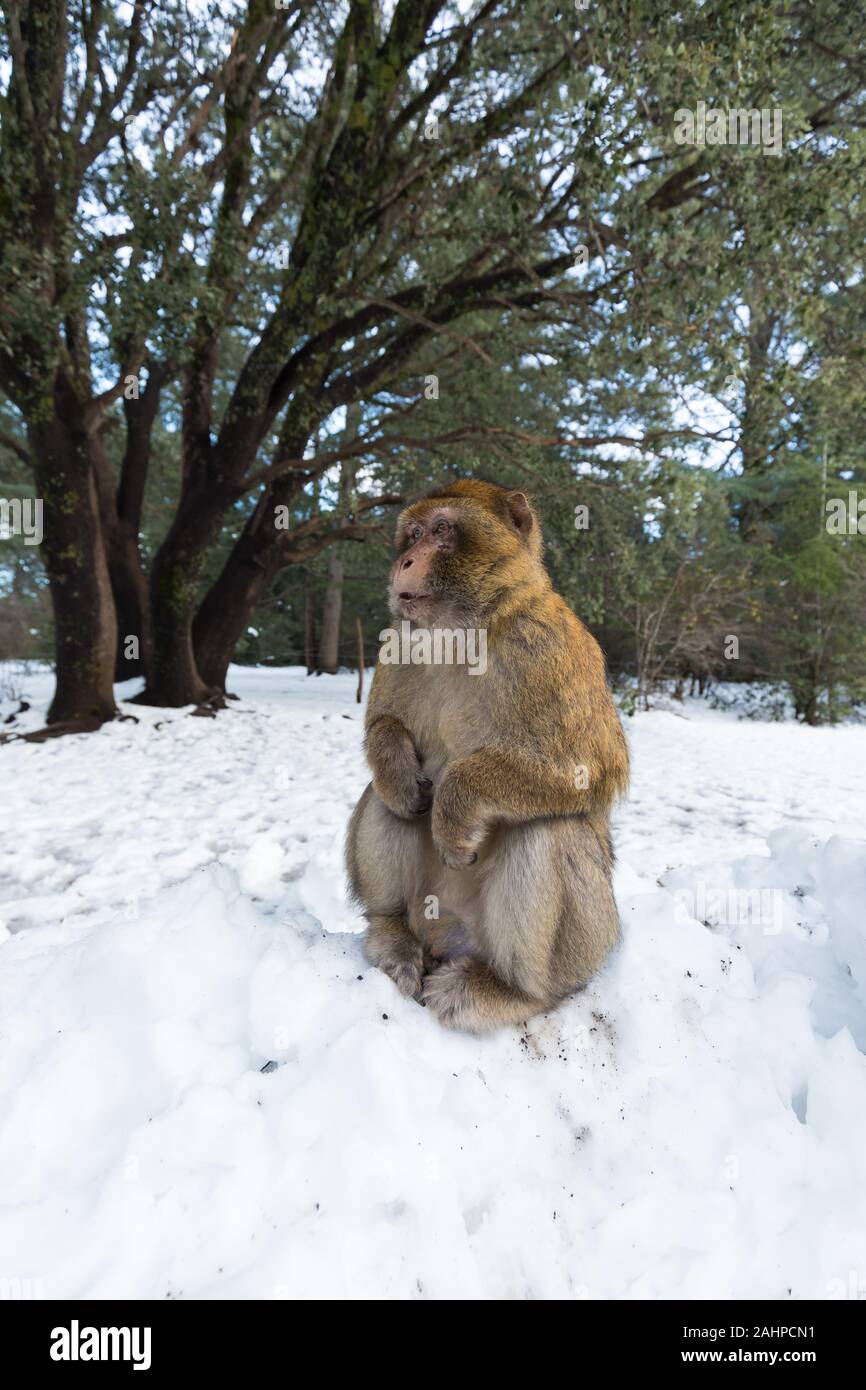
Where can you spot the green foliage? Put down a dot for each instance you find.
(248, 199)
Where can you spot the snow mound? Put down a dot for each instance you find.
(692, 1125)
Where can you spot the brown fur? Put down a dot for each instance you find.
(516, 856)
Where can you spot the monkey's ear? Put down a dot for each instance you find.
(520, 512)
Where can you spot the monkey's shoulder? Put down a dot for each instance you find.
(548, 674)
(549, 635)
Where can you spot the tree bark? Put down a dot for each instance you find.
(359, 632)
(255, 558)
(258, 556)
(226, 610)
(329, 639)
(132, 605)
(309, 630)
(174, 582)
(128, 579)
(757, 422)
(85, 633)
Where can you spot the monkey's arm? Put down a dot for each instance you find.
(397, 775)
(510, 785)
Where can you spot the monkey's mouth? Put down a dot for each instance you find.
(405, 604)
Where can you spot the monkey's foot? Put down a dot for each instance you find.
(465, 994)
(391, 947)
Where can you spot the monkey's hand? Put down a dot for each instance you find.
(397, 775)
(458, 823)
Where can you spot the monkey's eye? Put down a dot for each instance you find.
(415, 533)
(440, 528)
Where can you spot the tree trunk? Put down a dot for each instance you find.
(329, 639)
(261, 552)
(251, 565)
(226, 610)
(359, 633)
(176, 679)
(132, 603)
(124, 507)
(758, 417)
(174, 582)
(73, 553)
(309, 631)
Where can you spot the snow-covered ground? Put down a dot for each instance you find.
(173, 917)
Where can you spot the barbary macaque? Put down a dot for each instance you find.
(481, 853)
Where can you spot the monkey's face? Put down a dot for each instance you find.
(454, 557)
(428, 542)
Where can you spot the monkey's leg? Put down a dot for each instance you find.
(391, 947)
(548, 921)
(469, 995)
(384, 857)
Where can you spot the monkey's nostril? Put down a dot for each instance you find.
(407, 564)
(405, 595)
